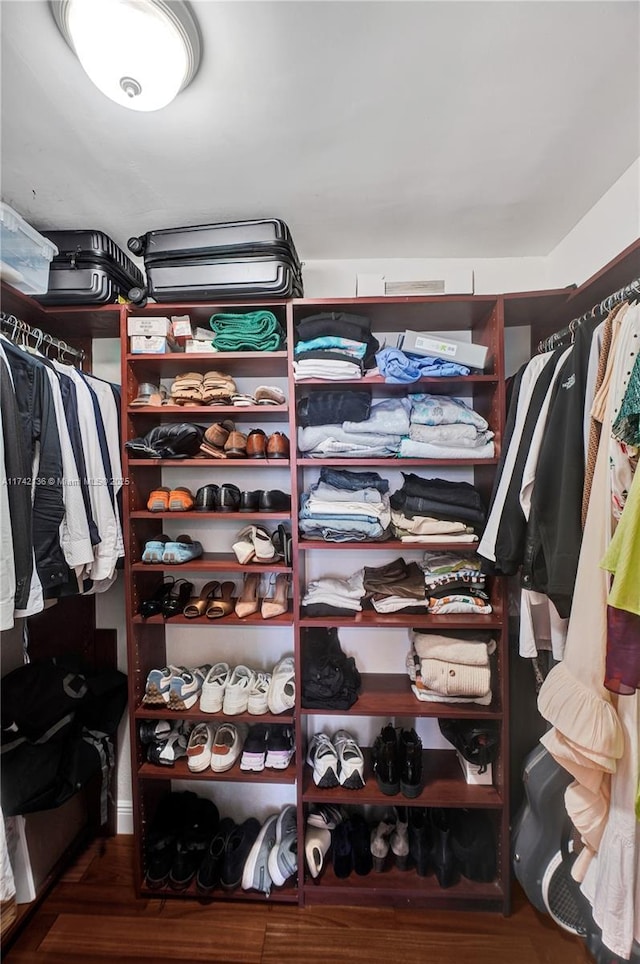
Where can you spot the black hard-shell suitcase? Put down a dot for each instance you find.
(89, 269)
(237, 259)
(230, 239)
(211, 280)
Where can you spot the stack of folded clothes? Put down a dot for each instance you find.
(377, 434)
(446, 428)
(247, 331)
(433, 510)
(334, 596)
(346, 507)
(455, 584)
(333, 345)
(451, 667)
(395, 586)
(212, 388)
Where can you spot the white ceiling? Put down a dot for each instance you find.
(375, 129)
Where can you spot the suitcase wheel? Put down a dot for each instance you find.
(138, 296)
(135, 245)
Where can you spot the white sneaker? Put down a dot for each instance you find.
(323, 757)
(258, 702)
(236, 694)
(351, 760)
(282, 689)
(227, 746)
(199, 747)
(213, 688)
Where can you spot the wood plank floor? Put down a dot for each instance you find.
(93, 915)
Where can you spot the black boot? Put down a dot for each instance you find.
(420, 839)
(474, 845)
(385, 760)
(442, 857)
(410, 763)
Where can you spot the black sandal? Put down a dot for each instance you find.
(175, 601)
(155, 603)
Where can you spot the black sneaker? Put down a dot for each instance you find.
(254, 750)
(239, 843)
(192, 843)
(155, 731)
(161, 838)
(208, 873)
(280, 746)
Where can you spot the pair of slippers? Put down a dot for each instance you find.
(161, 549)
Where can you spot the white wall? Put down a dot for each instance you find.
(608, 228)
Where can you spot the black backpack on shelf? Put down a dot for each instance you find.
(330, 679)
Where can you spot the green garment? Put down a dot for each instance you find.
(249, 331)
(623, 555)
(626, 427)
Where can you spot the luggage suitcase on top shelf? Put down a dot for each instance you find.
(236, 259)
(89, 269)
(228, 239)
(212, 280)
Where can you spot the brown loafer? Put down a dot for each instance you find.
(256, 444)
(218, 433)
(278, 446)
(236, 446)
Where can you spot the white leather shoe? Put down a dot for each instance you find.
(316, 844)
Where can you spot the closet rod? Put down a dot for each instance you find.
(15, 328)
(631, 290)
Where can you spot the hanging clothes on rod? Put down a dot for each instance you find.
(630, 291)
(61, 463)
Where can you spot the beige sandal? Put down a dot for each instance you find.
(199, 605)
(224, 605)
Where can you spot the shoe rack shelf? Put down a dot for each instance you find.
(444, 786)
(196, 715)
(382, 695)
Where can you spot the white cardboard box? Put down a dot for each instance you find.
(428, 280)
(149, 345)
(461, 352)
(472, 773)
(137, 325)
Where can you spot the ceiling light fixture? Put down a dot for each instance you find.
(140, 53)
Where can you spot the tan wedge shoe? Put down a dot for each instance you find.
(247, 602)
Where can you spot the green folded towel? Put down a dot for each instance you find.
(250, 331)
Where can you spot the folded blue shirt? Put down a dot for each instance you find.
(397, 367)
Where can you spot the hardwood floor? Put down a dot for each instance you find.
(93, 915)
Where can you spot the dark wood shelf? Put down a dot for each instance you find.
(180, 771)
(231, 620)
(424, 313)
(250, 364)
(390, 695)
(399, 888)
(196, 715)
(238, 413)
(370, 618)
(287, 894)
(306, 545)
(208, 463)
(221, 516)
(211, 562)
(431, 384)
(356, 464)
(444, 786)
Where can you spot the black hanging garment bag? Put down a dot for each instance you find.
(209, 262)
(90, 269)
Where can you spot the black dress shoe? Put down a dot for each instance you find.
(206, 498)
(227, 498)
(342, 849)
(274, 500)
(361, 845)
(249, 501)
